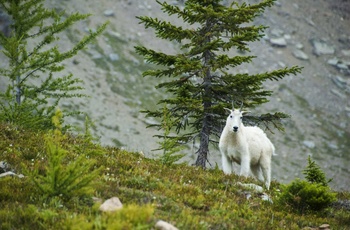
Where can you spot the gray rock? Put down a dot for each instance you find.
(324, 227)
(321, 47)
(300, 55)
(342, 66)
(266, 197)
(5, 167)
(108, 13)
(339, 81)
(162, 225)
(114, 57)
(276, 33)
(115, 34)
(332, 146)
(11, 174)
(310, 22)
(346, 52)
(309, 144)
(299, 46)
(333, 61)
(111, 205)
(338, 94)
(279, 42)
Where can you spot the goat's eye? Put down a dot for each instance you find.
(231, 116)
(241, 118)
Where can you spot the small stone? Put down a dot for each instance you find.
(346, 52)
(338, 94)
(309, 144)
(300, 55)
(280, 42)
(287, 36)
(342, 66)
(108, 13)
(276, 32)
(333, 61)
(11, 174)
(114, 57)
(162, 225)
(112, 204)
(4, 166)
(339, 81)
(266, 197)
(321, 47)
(324, 226)
(332, 146)
(299, 46)
(115, 34)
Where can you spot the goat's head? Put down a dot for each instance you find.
(234, 120)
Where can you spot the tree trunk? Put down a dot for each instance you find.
(203, 150)
(18, 90)
(206, 124)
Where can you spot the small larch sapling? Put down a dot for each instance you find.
(246, 145)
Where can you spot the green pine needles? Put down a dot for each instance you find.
(170, 144)
(34, 58)
(63, 177)
(314, 174)
(201, 80)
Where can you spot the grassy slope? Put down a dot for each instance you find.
(188, 197)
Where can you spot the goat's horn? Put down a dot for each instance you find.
(241, 105)
(228, 109)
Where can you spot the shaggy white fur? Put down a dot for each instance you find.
(247, 146)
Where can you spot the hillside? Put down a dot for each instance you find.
(186, 197)
(315, 36)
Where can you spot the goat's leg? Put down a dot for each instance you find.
(245, 164)
(226, 164)
(266, 170)
(256, 170)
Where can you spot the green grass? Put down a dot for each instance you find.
(186, 196)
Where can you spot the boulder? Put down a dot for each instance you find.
(279, 42)
(111, 205)
(321, 47)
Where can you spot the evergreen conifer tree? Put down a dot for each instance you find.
(33, 58)
(202, 81)
(314, 174)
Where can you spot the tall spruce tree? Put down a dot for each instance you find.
(33, 58)
(202, 80)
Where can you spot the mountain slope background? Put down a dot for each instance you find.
(312, 34)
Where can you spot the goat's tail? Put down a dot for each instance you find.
(273, 151)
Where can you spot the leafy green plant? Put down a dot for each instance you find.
(303, 195)
(313, 194)
(63, 177)
(34, 59)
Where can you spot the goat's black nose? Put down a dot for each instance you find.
(235, 128)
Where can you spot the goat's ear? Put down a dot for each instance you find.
(228, 110)
(245, 112)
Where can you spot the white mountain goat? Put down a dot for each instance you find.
(247, 146)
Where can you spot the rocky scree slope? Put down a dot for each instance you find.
(312, 34)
